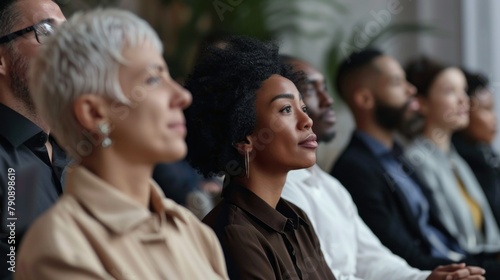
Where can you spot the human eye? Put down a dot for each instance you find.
(152, 80)
(43, 30)
(304, 109)
(397, 81)
(287, 109)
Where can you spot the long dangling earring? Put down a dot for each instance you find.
(247, 164)
(104, 130)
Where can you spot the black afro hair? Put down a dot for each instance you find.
(223, 83)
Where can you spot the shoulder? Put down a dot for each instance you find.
(232, 224)
(355, 155)
(227, 215)
(192, 225)
(62, 217)
(356, 164)
(56, 235)
(419, 150)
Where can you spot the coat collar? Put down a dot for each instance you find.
(114, 209)
(277, 219)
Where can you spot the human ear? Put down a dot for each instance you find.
(363, 98)
(90, 111)
(3, 64)
(245, 145)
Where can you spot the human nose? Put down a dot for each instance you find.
(182, 97)
(464, 99)
(305, 122)
(325, 98)
(411, 90)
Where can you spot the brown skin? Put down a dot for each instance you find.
(318, 100)
(445, 108)
(387, 82)
(482, 118)
(276, 146)
(151, 131)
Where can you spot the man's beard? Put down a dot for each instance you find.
(19, 81)
(390, 117)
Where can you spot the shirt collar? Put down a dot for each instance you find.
(307, 175)
(113, 208)
(377, 148)
(277, 219)
(15, 128)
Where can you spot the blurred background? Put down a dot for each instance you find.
(323, 32)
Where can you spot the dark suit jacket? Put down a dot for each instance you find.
(485, 163)
(383, 206)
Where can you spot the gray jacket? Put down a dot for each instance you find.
(436, 169)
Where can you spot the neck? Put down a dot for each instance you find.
(439, 136)
(130, 178)
(382, 135)
(21, 108)
(266, 185)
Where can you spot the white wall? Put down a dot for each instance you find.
(445, 15)
(462, 27)
(481, 42)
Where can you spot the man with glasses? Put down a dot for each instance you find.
(31, 163)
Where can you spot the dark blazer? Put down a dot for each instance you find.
(383, 206)
(485, 163)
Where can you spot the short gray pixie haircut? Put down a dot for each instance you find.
(83, 57)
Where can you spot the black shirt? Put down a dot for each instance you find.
(260, 242)
(29, 182)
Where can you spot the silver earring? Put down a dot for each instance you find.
(247, 164)
(104, 130)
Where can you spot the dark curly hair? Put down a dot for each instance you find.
(475, 82)
(224, 82)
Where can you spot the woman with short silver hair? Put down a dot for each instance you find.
(102, 85)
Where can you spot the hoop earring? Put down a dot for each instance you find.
(104, 130)
(247, 164)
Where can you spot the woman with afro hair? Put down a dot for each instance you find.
(248, 122)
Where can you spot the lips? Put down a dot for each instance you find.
(329, 116)
(309, 142)
(413, 104)
(179, 127)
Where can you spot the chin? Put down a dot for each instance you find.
(308, 162)
(174, 153)
(461, 125)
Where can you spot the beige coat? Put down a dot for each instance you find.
(96, 232)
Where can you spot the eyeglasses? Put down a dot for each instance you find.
(42, 30)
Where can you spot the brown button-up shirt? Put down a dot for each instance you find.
(97, 232)
(261, 242)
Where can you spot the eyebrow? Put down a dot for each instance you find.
(156, 67)
(283, 95)
(48, 20)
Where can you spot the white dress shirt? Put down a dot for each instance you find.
(350, 248)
